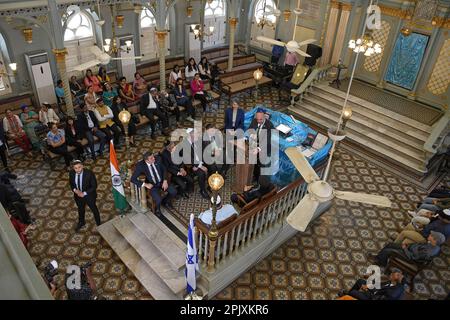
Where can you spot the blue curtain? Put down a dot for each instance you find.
(406, 60)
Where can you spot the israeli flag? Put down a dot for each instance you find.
(191, 259)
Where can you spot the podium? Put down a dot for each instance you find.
(243, 171)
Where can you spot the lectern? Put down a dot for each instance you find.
(243, 171)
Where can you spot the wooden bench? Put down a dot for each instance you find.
(216, 53)
(237, 61)
(150, 70)
(235, 82)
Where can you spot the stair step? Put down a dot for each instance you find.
(383, 111)
(360, 111)
(141, 270)
(152, 255)
(158, 234)
(361, 122)
(353, 130)
(312, 117)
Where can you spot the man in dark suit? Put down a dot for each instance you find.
(84, 186)
(180, 177)
(87, 123)
(234, 117)
(3, 146)
(195, 146)
(150, 107)
(217, 149)
(155, 180)
(261, 141)
(389, 290)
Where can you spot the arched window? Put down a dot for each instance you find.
(5, 81)
(263, 9)
(78, 38)
(78, 27)
(215, 16)
(147, 19)
(148, 39)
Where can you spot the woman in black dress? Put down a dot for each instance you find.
(117, 106)
(74, 137)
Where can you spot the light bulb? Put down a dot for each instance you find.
(352, 44)
(128, 43)
(106, 47)
(108, 41)
(211, 29)
(13, 66)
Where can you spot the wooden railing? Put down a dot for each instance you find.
(250, 226)
(315, 76)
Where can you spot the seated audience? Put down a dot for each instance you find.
(92, 81)
(156, 180)
(257, 191)
(126, 91)
(57, 143)
(75, 87)
(3, 147)
(416, 252)
(106, 123)
(117, 107)
(204, 69)
(190, 70)
(89, 127)
(47, 114)
(169, 105)
(14, 130)
(74, 137)
(413, 233)
(150, 107)
(223, 212)
(109, 93)
(139, 85)
(30, 121)
(180, 176)
(432, 204)
(175, 74)
(234, 117)
(197, 88)
(102, 76)
(90, 98)
(59, 91)
(183, 99)
(393, 289)
(13, 202)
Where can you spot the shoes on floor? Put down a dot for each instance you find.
(79, 226)
(205, 194)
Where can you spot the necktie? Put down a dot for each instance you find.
(79, 181)
(155, 174)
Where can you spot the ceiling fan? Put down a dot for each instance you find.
(291, 46)
(100, 58)
(320, 191)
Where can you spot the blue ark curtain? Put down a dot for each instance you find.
(406, 60)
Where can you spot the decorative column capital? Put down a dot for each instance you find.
(60, 54)
(334, 4)
(346, 7)
(233, 22)
(161, 34)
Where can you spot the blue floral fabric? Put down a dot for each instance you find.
(285, 172)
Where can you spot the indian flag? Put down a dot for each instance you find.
(120, 201)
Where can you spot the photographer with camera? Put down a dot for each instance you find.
(50, 271)
(80, 284)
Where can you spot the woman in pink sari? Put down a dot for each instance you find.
(91, 80)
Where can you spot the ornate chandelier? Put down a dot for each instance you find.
(199, 32)
(265, 20)
(365, 45)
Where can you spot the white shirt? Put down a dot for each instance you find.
(190, 74)
(234, 116)
(152, 169)
(151, 102)
(200, 163)
(174, 76)
(222, 214)
(48, 116)
(99, 117)
(80, 187)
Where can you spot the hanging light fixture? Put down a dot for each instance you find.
(28, 34)
(265, 21)
(199, 32)
(287, 15)
(119, 19)
(189, 9)
(365, 45)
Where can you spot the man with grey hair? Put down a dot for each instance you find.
(150, 106)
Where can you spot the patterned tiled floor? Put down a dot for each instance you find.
(311, 265)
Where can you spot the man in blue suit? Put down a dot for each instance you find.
(155, 180)
(234, 117)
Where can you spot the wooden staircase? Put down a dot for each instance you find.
(398, 139)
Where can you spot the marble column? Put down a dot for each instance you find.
(341, 32)
(232, 24)
(162, 58)
(331, 30)
(60, 55)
